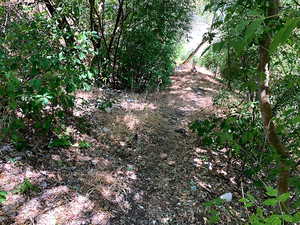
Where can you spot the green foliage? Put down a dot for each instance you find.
(105, 105)
(27, 187)
(3, 195)
(263, 215)
(63, 141)
(239, 133)
(239, 39)
(212, 210)
(236, 56)
(45, 59)
(84, 145)
(212, 61)
(38, 75)
(283, 34)
(140, 53)
(265, 212)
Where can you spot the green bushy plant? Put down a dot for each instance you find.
(259, 65)
(212, 61)
(138, 49)
(39, 75)
(26, 187)
(240, 133)
(62, 141)
(263, 212)
(84, 145)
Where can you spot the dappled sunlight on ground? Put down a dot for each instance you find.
(192, 91)
(135, 105)
(131, 121)
(142, 164)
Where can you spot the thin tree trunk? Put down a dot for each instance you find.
(62, 23)
(265, 105)
(118, 20)
(194, 52)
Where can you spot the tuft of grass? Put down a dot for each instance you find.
(64, 142)
(84, 145)
(26, 187)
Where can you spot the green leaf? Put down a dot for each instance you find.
(296, 204)
(297, 217)
(283, 34)
(214, 218)
(250, 34)
(84, 145)
(36, 84)
(251, 197)
(287, 218)
(254, 220)
(271, 202)
(296, 119)
(3, 195)
(247, 205)
(271, 191)
(252, 29)
(244, 200)
(283, 197)
(247, 202)
(26, 186)
(240, 27)
(260, 212)
(217, 47)
(273, 220)
(208, 204)
(63, 141)
(218, 201)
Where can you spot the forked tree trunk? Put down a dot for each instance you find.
(265, 105)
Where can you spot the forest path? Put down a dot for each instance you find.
(142, 166)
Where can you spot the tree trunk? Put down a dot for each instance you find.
(194, 52)
(62, 23)
(264, 98)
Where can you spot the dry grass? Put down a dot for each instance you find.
(142, 167)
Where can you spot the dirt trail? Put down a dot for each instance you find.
(143, 167)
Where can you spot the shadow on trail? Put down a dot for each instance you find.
(139, 169)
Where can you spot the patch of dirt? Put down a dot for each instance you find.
(143, 165)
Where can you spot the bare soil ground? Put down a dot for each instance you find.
(144, 166)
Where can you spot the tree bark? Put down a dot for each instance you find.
(264, 98)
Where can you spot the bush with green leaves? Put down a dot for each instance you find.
(239, 133)
(26, 187)
(137, 41)
(62, 141)
(259, 212)
(39, 75)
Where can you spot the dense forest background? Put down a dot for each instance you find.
(52, 51)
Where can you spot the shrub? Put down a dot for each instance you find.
(138, 49)
(38, 76)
